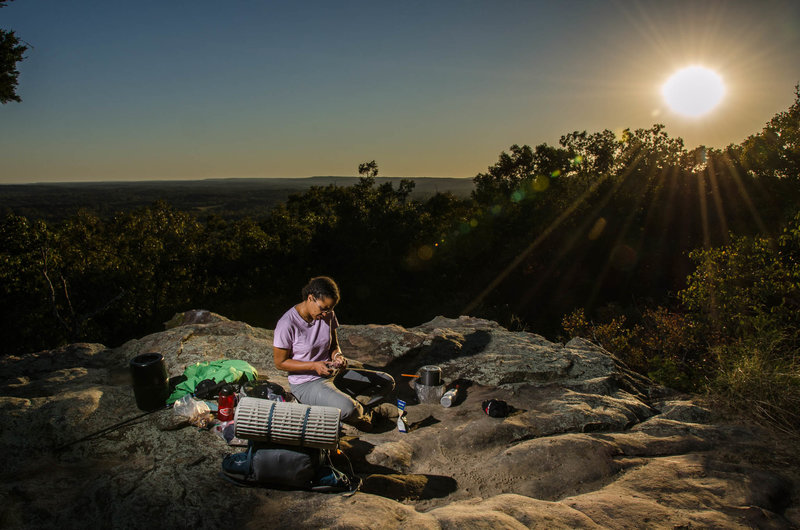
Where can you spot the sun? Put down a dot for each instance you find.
(693, 91)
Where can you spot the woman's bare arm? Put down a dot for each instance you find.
(283, 361)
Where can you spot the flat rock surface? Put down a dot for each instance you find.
(588, 443)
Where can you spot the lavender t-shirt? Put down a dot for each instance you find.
(305, 342)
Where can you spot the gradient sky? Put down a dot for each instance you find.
(178, 89)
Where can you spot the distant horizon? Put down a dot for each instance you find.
(189, 179)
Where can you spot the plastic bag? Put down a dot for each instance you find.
(194, 411)
(429, 394)
(226, 430)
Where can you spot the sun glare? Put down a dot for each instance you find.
(693, 91)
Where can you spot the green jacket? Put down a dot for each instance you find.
(230, 370)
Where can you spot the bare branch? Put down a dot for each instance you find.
(52, 290)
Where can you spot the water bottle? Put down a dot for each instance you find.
(225, 404)
(449, 397)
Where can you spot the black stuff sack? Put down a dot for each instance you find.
(264, 390)
(280, 466)
(208, 389)
(496, 408)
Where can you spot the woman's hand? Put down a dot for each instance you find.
(321, 368)
(339, 360)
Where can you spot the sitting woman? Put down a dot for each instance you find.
(306, 346)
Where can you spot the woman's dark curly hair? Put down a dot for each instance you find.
(321, 287)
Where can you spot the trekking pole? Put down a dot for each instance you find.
(112, 427)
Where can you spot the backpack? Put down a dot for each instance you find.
(286, 466)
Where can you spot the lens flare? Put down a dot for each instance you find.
(541, 183)
(597, 229)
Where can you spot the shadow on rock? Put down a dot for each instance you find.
(440, 350)
(426, 422)
(415, 487)
(356, 450)
(387, 482)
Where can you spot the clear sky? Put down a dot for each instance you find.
(179, 89)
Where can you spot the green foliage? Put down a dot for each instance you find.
(11, 53)
(775, 151)
(760, 376)
(523, 167)
(108, 280)
(746, 297)
(611, 335)
(738, 287)
(26, 313)
(663, 344)
(737, 336)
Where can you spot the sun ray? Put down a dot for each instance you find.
(622, 236)
(701, 198)
(533, 245)
(670, 198)
(578, 234)
(734, 172)
(717, 198)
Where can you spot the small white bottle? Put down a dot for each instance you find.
(449, 397)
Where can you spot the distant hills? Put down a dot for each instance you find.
(233, 197)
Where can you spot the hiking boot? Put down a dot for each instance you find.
(361, 425)
(364, 423)
(386, 411)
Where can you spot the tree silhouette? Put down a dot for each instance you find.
(368, 169)
(10, 54)
(775, 151)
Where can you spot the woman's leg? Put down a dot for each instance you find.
(321, 392)
(361, 382)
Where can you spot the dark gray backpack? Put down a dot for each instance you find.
(288, 467)
(274, 465)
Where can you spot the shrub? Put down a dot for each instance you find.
(611, 335)
(664, 345)
(760, 377)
